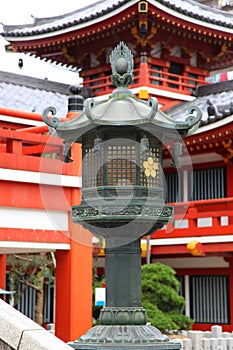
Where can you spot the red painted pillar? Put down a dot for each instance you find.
(74, 287)
(231, 290)
(3, 271)
(73, 315)
(144, 72)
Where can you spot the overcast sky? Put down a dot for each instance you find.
(20, 11)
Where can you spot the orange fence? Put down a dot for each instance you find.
(32, 152)
(200, 218)
(157, 77)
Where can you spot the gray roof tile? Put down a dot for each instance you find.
(31, 94)
(188, 8)
(219, 94)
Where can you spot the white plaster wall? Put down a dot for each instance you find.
(33, 219)
(195, 262)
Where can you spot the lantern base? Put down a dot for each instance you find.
(122, 337)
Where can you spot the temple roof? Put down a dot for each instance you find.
(83, 38)
(214, 100)
(212, 142)
(104, 9)
(29, 94)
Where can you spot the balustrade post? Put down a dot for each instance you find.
(14, 146)
(216, 221)
(143, 71)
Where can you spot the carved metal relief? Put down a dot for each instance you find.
(110, 210)
(121, 316)
(164, 212)
(128, 210)
(84, 212)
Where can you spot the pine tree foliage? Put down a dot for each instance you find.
(161, 299)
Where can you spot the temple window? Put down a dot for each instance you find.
(176, 51)
(214, 308)
(107, 54)
(93, 61)
(193, 60)
(175, 69)
(157, 50)
(155, 72)
(173, 186)
(192, 82)
(142, 7)
(208, 183)
(201, 184)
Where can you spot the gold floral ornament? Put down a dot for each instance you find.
(150, 167)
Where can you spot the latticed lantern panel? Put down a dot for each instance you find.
(121, 164)
(92, 167)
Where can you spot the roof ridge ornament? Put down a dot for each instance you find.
(122, 64)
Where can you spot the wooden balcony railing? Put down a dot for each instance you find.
(32, 152)
(209, 217)
(151, 76)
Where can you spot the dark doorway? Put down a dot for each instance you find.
(177, 69)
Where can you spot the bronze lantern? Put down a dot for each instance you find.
(123, 197)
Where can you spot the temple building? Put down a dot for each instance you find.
(179, 47)
(37, 191)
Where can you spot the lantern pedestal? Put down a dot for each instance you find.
(123, 322)
(144, 337)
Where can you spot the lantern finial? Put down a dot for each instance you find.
(121, 60)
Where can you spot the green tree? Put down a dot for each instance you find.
(31, 270)
(161, 299)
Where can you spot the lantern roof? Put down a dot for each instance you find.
(123, 108)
